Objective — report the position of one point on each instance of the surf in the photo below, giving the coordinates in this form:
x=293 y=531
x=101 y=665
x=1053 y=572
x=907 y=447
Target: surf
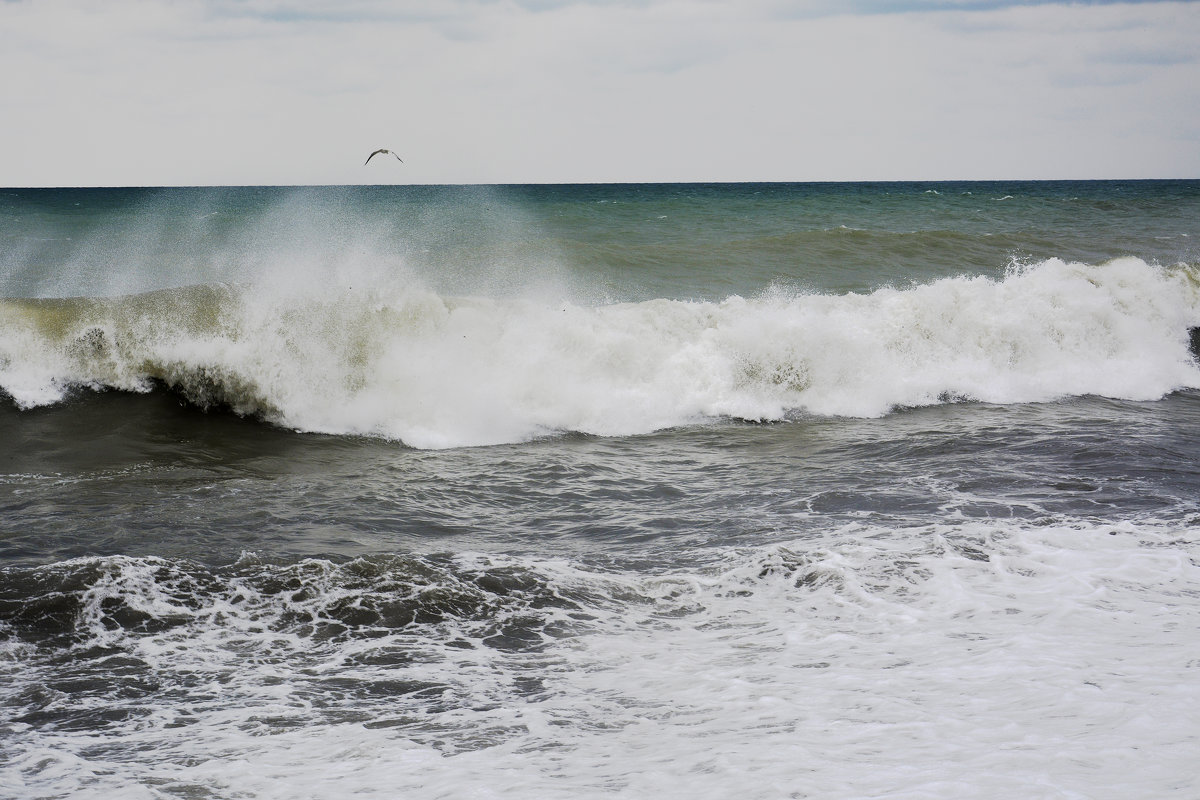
x=401 y=361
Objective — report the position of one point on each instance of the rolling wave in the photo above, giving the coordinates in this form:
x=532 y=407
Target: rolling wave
x=404 y=362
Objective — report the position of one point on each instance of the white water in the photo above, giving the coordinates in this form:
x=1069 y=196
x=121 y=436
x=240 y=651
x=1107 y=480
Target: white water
x=403 y=362
x=947 y=661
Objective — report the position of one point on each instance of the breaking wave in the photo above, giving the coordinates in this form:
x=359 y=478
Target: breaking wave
x=408 y=363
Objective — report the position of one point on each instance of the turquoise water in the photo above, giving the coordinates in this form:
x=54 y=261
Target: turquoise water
x=633 y=242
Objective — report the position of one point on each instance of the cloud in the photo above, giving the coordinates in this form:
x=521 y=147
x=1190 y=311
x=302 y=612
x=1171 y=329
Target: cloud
x=855 y=7
x=251 y=91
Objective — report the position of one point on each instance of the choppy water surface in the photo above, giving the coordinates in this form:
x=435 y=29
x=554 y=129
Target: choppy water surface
x=673 y=491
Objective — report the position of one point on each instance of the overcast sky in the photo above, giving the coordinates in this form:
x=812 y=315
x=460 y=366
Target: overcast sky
x=158 y=92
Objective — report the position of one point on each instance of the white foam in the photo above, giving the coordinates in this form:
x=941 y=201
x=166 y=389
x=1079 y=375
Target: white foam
x=394 y=359
x=944 y=661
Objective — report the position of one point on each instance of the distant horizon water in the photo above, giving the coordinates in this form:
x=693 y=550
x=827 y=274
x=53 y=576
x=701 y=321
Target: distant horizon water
x=585 y=182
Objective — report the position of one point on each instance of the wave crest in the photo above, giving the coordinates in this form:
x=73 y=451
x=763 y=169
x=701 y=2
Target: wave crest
x=407 y=363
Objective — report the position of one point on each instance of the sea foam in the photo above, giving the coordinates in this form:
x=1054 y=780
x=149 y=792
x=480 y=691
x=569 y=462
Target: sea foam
x=956 y=659
x=398 y=360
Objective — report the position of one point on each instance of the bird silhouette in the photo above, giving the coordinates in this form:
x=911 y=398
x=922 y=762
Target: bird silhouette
x=385 y=152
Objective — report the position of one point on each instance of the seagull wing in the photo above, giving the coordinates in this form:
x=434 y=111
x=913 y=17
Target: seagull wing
x=377 y=152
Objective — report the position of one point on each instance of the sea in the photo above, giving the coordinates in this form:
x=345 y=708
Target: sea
x=779 y=490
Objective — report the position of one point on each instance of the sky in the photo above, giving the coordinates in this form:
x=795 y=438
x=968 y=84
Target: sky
x=296 y=92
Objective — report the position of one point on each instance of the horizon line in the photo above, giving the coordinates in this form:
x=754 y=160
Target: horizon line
x=590 y=183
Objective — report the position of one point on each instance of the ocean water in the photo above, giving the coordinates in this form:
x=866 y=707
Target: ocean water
x=662 y=491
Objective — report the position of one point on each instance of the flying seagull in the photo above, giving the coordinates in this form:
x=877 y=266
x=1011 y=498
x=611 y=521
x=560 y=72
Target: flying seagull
x=385 y=152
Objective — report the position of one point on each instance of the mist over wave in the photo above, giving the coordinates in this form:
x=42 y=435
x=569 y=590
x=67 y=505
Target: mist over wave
x=391 y=357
